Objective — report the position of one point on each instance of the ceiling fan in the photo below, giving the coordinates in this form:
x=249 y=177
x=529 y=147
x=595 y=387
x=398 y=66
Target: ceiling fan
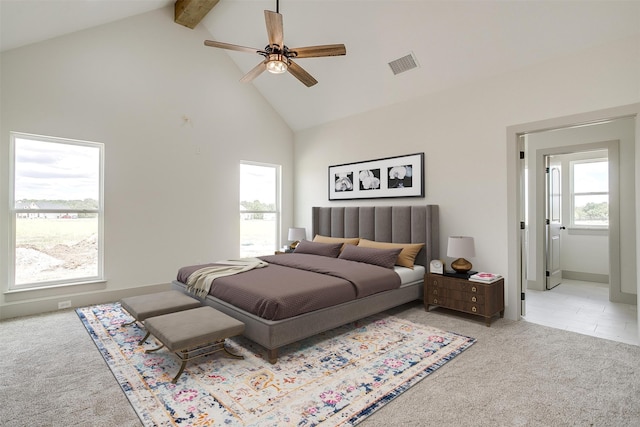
x=277 y=56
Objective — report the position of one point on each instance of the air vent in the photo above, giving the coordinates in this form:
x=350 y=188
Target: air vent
x=403 y=64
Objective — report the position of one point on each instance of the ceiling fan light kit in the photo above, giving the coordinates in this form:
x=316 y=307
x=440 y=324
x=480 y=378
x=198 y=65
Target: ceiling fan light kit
x=278 y=57
x=277 y=64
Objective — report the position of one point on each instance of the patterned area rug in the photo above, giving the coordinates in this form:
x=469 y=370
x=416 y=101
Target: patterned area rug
x=336 y=378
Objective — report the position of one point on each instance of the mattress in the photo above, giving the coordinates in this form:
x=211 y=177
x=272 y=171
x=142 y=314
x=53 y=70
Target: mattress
x=410 y=276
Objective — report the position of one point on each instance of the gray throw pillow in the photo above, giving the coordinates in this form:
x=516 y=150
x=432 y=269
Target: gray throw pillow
x=382 y=257
x=331 y=250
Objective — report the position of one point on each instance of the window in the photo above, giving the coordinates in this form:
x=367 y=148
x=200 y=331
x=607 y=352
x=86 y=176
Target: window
x=259 y=208
x=590 y=193
x=56 y=211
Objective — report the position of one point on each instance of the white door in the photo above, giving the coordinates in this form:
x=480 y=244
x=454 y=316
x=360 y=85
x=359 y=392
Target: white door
x=554 y=226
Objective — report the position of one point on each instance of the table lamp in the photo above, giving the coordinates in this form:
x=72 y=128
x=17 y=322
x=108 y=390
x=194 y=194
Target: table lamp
x=295 y=235
x=461 y=247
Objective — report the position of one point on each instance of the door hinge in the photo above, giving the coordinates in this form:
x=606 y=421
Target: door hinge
x=546 y=273
x=521 y=155
x=546 y=170
x=546 y=221
x=522 y=296
x=522 y=225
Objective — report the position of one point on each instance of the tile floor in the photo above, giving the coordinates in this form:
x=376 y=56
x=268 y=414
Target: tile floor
x=583 y=307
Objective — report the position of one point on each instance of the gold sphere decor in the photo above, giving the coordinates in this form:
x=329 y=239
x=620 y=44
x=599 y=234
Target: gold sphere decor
x=461 y=265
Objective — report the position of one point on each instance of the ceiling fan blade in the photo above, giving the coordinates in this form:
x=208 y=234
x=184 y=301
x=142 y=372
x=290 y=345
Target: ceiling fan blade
x=300 y=74
x=229 y=46
x=316 y=51
x=274 y=28
x=255 y=72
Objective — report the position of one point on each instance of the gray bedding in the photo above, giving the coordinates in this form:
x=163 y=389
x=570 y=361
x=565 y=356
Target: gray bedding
x=293 y=284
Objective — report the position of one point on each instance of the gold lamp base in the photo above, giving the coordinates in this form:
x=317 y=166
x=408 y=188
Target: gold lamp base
x=294 y=244
x=461 y=265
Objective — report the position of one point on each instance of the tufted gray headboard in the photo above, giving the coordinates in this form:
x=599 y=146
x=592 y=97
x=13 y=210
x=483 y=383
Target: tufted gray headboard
x=395 y=224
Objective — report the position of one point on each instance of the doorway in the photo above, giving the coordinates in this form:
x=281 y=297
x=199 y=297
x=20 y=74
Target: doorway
x=546 y=219
x=518 y=233
x=541 y=147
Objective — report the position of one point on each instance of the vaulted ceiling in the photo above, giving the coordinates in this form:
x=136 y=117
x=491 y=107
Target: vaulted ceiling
x=454 y=42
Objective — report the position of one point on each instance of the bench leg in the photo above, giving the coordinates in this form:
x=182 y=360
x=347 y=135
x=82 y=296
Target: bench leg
x=237 y=356
x=197 y=352
x=184 y=357
x=145 y=338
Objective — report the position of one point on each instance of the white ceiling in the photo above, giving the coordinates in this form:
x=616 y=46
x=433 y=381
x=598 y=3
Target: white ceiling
x=455 y=42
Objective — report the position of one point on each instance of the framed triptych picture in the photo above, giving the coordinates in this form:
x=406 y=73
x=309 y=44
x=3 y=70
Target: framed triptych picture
x=401 y=176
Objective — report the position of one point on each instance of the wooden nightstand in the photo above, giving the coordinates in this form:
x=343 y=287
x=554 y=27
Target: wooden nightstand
x=481 y=299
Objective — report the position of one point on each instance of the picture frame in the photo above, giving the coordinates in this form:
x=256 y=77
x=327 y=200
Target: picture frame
x=400 y=176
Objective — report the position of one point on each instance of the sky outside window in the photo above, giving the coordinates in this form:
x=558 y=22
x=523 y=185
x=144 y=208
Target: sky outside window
x=591 y=177
x=258 y=183
x=56 y=171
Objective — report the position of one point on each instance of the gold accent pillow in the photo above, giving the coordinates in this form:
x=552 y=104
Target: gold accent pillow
x=407 y=256
x=344 y=240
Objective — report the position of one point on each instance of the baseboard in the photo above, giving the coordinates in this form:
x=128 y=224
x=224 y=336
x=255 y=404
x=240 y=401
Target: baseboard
x=533 y=284
x=587 y=277
x=29 y=308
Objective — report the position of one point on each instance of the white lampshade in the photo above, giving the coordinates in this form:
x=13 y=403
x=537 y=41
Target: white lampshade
x=461 y=247
x=297 y=234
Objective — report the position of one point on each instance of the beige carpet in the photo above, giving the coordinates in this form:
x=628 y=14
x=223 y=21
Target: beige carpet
x=517 y=374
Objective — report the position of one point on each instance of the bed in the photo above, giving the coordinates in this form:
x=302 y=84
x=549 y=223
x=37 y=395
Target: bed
x=396 y=224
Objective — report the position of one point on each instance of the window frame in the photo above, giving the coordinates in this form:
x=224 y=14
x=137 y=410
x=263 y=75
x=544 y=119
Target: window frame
x=573 y=194
x=13 y=213
x=278 y=202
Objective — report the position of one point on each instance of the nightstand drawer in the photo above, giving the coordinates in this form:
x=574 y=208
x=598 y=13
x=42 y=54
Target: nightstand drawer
x=435 y=300
x=473 y=298
x=454 y=284
x=474 y=308
x=454 y=304
x=457 y=295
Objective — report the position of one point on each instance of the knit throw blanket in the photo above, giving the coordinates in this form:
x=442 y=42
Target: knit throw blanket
x=199 y=282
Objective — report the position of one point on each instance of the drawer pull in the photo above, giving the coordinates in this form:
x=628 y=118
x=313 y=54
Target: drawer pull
x=473 y=289
x=435 y=292
x=474 y=299
x=435 y=300
x=474 y=309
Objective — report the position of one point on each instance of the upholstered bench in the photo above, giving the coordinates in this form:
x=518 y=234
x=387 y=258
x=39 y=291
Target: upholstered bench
x=194 y=333
x=144 y=306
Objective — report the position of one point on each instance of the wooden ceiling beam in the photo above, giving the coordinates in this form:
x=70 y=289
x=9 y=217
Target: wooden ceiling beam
x=190 y=12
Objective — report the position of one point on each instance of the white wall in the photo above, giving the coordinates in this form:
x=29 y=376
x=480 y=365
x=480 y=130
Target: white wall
x=171 y=187
x=462 y=132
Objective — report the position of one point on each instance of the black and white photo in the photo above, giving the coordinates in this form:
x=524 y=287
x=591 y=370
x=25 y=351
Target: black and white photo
x=400 y=176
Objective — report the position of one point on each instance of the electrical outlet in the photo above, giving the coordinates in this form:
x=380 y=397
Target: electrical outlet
x=64 y=304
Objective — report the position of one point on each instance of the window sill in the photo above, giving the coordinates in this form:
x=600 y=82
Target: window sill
x=577 y=231
x=25 y=293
